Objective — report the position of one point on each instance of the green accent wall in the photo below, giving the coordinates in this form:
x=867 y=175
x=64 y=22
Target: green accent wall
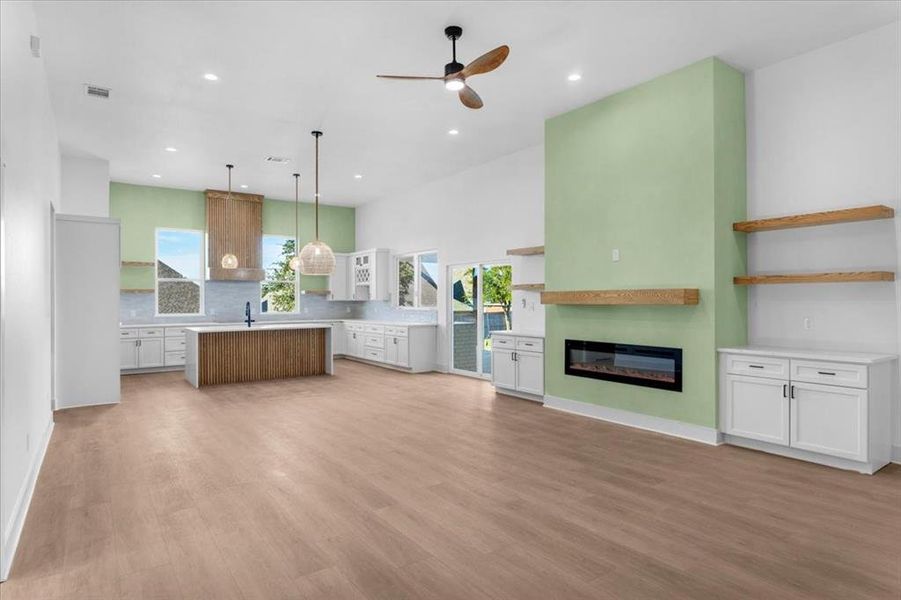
x=142 y=209
x=657 y=171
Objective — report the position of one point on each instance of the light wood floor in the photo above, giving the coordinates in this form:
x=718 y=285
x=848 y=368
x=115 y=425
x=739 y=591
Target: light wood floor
x=375 y=484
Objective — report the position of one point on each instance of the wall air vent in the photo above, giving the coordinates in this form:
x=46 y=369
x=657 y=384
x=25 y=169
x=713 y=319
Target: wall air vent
x=279 y=160
x=95 y=91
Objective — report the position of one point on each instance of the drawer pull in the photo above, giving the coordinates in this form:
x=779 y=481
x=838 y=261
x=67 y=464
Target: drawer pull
x=756 y=366
x=785 y=390
x=825 y=373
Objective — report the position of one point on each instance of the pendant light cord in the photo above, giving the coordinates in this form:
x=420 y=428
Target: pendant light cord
x=317 y=187
x=296 y=226
x=228 y=198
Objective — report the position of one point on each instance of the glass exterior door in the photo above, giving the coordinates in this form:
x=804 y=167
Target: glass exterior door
x=497 y=298
x=481 y=298
x=464 y=302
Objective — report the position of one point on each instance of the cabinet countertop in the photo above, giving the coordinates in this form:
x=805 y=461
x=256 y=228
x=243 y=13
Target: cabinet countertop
x=267 y=327
x=863 y=358
x=262 y=323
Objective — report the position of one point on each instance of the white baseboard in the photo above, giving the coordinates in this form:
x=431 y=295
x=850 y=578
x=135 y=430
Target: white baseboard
x=16 y=522
x=896 y=454
x=688 y=431
x=797 y=454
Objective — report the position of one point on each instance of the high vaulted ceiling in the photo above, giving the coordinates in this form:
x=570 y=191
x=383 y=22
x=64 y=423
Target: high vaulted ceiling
x=287 y=68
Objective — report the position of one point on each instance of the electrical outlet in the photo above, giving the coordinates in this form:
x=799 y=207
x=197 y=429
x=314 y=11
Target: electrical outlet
x=808 y=323
x=616 y=255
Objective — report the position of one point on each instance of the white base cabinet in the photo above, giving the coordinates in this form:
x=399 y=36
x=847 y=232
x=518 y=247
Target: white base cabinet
x=517 y=364
x=409 y=347
x=826 y=407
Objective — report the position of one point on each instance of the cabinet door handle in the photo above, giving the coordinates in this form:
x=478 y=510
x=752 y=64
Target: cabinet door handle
x=395 y=341
x=785 y=390
x=755 y=366
x=792 y=392
x=825 y=373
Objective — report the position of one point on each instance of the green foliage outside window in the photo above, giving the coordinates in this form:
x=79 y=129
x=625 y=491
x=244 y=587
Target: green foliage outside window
x=279 y=288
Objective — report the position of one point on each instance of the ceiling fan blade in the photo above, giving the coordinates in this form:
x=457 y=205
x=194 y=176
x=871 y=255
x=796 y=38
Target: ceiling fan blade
x=407 y=77
x=487 y=62
x=469 y=98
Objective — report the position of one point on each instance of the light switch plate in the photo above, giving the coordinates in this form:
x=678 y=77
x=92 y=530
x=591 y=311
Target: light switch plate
x=616 y=255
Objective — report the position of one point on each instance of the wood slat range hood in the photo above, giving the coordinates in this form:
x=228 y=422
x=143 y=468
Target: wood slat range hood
x=244 y=236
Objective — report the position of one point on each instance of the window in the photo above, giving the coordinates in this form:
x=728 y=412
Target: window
x=417 y=280
x=179 y=272
x=278 y=292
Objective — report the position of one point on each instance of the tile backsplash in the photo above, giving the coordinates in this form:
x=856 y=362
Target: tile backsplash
x=224 y=303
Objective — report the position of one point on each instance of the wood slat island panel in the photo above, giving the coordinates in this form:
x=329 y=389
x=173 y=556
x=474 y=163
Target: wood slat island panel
x=259 y=354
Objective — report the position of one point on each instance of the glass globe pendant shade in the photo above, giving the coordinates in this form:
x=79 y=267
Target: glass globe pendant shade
x=294 y=263
x=229 y=261
x=317 y=258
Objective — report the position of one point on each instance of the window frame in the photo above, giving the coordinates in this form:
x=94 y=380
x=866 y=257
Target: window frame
x=417 y=279
x=296 y=282
x=156 y=278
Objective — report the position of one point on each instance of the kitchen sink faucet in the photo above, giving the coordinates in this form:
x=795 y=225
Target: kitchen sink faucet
x=247 y=318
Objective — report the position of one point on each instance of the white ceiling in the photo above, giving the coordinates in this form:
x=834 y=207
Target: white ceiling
x=287 y=68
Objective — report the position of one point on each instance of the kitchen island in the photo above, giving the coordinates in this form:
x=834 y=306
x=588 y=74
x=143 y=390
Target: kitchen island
x=237 y=354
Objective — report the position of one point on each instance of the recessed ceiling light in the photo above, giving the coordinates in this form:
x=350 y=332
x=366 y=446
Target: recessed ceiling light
x=156 y=175
x=358 y=176
x=171 y=149
x=211 y=77
x=574 y=77
x=243 y=186
x=452 y=132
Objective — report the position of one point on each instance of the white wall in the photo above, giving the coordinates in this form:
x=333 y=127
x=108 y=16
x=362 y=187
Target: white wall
x=85 y=186
x=473 y=216
x=824 y=132
x=30 y=155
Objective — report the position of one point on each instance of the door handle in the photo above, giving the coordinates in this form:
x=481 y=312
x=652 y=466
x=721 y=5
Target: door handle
x=785 y=390
x=792 y=392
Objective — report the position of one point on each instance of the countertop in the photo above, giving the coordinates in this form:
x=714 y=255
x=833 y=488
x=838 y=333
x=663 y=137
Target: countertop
x=266 y=327
x=863 y=358
x=518 y=333
x=258 y=324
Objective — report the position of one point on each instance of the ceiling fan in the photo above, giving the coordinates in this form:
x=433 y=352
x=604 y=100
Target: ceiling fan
x=455 y=74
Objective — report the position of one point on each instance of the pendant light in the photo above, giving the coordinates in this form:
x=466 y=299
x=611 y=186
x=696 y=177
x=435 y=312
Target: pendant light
x=229 y=260
x=295 y=260
x=317 y=258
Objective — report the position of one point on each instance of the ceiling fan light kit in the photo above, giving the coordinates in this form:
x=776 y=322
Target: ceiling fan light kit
x=455 y=74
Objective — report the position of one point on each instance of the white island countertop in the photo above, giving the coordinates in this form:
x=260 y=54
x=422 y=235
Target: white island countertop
x=863 y=358
x=264 y=327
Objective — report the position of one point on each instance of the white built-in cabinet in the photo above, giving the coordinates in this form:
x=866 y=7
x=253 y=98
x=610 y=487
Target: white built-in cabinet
x=151 y=347
x=362 y=275
x=517 y=364
x=409 y=347
x=831 y=408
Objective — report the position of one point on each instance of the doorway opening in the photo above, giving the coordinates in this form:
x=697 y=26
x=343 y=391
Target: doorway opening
x=480 y=302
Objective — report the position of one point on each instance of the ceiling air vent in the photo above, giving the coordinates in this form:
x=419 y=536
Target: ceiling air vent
x=279 y=160
x=95 y=91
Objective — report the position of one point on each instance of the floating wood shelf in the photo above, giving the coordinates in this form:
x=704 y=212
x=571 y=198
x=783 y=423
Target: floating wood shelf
x=528 y=287
x=137 y=290
x=530 y=251
x=672 y=296
x=829 y=217
x=315 y=292
x=815 y=278
x=138 y=263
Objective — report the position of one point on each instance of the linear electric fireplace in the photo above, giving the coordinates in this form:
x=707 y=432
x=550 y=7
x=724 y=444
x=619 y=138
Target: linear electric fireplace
x=649 y=366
